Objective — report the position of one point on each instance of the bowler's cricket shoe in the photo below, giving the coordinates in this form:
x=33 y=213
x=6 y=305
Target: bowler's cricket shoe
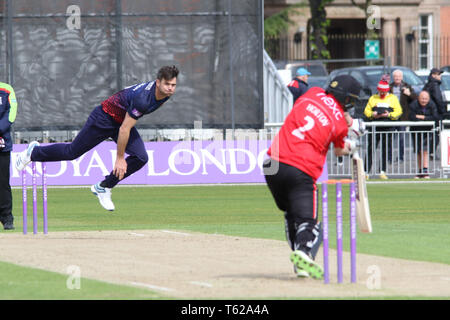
x=104 y=196
x=304 y=262
x=24 y=158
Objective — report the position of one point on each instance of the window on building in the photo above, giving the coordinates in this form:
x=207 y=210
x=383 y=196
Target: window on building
x=425 y=41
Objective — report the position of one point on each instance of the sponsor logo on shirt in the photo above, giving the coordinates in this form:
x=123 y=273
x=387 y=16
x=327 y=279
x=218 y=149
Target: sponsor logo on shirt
x=136 y=113
x=331 y=104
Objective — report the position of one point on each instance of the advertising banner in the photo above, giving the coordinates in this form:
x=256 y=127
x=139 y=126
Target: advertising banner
x=170 y=163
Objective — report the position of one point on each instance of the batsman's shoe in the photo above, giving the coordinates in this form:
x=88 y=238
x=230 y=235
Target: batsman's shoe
x=104 y=196
x=304 y=262
x=8 y=225
x=300 y=273
x=24 y=158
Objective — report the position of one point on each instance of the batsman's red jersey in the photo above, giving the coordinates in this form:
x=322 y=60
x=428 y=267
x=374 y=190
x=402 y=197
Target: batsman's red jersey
x=315 y=121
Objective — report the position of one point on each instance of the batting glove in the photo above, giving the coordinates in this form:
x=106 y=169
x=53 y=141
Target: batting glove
x=352 y=144
x=357 y=129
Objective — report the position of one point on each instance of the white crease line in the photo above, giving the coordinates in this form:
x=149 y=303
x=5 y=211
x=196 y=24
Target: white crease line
x=174 y=232
x=151 y=286
x=137 y=234
x=203 y=284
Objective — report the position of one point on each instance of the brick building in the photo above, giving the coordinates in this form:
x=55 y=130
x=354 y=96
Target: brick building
x=414 y=33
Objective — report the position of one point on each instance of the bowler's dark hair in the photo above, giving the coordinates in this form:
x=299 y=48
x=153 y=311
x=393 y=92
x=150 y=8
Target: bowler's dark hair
x=167 y=73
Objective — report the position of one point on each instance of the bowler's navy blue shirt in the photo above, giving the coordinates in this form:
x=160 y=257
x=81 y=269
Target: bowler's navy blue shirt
x=136 y=100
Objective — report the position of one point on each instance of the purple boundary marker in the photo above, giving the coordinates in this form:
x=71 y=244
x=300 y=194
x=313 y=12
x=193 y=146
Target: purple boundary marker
x=24 y=203
x=34 y=180
x=44 y=196
x=340 y=274
x=326 y=273
x=353 y=232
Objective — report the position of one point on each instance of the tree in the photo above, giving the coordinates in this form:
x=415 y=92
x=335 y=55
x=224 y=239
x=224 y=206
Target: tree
x=319 y=24
x=278 y=23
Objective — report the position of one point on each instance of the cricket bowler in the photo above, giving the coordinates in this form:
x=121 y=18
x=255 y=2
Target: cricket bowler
x=114 y=118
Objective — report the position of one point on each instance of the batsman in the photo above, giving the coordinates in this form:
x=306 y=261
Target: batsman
x=296 y=159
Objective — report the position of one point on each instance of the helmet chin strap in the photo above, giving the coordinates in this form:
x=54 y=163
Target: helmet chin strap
x=348 y=106
x=349 y=103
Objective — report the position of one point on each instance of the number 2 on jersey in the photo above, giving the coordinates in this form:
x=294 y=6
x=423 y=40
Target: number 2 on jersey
x=308 y=126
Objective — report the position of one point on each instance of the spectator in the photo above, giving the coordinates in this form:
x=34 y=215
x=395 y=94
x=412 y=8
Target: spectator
x=433 y=87
x=382 y=106
x=423 y=109
x=406 y=95
x=299 y=85
x=8 y=111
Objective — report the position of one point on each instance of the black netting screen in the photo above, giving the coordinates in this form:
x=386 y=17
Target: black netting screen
x=61 y=71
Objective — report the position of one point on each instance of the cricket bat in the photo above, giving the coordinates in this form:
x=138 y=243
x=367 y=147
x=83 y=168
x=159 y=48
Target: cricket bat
x=362 y=199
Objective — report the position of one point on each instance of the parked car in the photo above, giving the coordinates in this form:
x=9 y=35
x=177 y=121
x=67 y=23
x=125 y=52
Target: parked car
x=445 y=84
x=423 y=74
x=316 y=68
x=445 y=87
x=369 y=76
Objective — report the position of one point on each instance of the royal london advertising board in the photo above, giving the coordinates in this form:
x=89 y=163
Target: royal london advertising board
x=170 y=163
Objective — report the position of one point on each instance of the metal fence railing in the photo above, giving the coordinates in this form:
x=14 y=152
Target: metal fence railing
x=278 y=99
x=397 y=147
x=404 y=49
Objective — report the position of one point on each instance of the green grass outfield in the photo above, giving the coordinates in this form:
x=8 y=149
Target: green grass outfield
x=410 y=221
